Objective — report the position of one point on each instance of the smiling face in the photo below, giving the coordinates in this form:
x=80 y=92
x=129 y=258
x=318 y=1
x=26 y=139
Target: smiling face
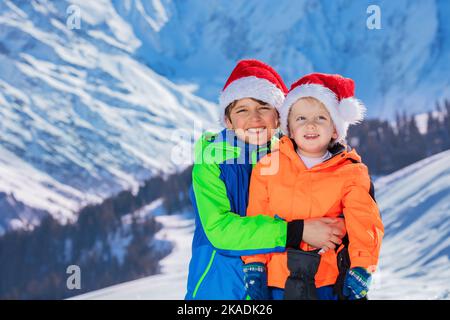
x=253 y=121
x=311 y=127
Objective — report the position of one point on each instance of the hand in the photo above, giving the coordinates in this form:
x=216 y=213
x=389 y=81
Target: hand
x=339 y=230
x=324 y=232
x=356 y=283
x=255 y=278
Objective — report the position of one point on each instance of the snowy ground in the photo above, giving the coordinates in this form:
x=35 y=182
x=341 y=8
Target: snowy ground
x=415 y=207
x=414 y=262
x=171 y=284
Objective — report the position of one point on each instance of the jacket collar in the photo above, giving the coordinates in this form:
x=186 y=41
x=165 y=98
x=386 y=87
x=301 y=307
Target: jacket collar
x=237 y=151
x=340 y=153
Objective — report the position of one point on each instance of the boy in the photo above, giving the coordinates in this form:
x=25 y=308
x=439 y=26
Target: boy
x=317 y=177
x=220 y=180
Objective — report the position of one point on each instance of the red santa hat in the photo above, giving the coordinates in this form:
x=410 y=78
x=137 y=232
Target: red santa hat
x=253 y=79
x=335 y=92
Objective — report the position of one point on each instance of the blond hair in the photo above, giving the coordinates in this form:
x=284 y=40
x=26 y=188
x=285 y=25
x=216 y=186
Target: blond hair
x=312 y=100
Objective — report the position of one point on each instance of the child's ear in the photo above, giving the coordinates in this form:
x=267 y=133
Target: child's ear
x=228 y=123
x=334 y=136
x=277 y=122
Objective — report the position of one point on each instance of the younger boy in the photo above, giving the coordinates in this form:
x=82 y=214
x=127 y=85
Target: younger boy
x=319 y=177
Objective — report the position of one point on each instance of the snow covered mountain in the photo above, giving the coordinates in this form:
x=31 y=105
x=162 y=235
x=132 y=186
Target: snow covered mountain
x=402 y=66
x=415 y=254
x=82 y=119
x=90 y=111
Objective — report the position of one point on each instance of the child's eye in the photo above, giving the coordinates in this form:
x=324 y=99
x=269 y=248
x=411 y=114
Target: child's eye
x=241 y=111
x=322 y=118
x=301 y=118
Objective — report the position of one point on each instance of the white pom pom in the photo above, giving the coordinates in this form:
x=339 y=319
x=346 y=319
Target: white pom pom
x=352 y=110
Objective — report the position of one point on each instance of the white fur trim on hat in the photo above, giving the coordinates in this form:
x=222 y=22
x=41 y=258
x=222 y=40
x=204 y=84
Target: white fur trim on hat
x=251 y=87
x=321 y=93
x=352 y=110
x=339 y=112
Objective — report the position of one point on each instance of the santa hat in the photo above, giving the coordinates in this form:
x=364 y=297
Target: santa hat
x=335 y=92
x=253 y=79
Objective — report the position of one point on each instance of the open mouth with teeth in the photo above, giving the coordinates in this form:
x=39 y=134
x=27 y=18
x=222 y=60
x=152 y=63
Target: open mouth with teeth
x=256 y=131
x=311 y=136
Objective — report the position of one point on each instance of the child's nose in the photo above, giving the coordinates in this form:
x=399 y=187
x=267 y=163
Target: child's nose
x=310 y=124
x=255 y=115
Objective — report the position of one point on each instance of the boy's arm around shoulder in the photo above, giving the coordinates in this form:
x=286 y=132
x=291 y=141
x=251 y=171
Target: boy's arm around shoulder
x=226 y=230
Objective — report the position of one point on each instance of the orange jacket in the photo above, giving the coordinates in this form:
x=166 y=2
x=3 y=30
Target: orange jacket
x=281 y=185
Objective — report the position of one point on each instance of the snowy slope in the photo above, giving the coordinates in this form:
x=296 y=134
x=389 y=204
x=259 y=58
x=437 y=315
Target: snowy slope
x=415 y=255
x=82 y=119
x=171 y=284
x=30 y=193
x=402 y=66
x=415 y=259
